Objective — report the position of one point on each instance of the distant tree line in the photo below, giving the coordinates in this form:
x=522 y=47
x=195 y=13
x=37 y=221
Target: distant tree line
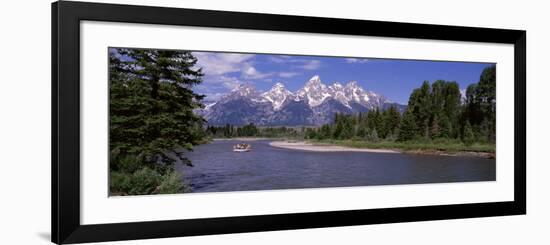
x=434 y=111
x=251 y=130
x=372 y=126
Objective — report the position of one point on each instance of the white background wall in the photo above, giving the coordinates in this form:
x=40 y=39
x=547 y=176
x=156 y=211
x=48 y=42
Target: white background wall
x=25 y=121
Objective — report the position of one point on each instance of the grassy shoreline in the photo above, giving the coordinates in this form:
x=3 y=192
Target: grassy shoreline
x=435 y=147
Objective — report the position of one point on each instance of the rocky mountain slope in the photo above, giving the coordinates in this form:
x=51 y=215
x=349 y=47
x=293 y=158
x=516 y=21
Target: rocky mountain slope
x=314 y=104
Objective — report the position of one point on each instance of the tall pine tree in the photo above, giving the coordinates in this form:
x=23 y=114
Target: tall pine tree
x=408 y=128
x=152 y=105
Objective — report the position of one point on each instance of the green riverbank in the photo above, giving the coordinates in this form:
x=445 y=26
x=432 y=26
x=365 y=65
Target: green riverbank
x=436 y=147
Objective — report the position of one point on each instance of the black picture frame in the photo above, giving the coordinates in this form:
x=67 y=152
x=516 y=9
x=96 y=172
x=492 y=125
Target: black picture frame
x=66 y=17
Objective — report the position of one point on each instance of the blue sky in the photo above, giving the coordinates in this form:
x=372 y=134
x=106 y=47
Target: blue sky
x=395 y=79
x=392 y=78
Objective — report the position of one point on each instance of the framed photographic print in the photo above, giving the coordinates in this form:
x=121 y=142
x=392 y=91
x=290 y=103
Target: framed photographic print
x=177 y=122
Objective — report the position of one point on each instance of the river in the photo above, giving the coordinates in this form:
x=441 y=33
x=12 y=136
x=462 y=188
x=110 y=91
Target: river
x=217 y=168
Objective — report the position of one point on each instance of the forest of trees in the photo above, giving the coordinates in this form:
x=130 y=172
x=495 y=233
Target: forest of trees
x=151 y=116
x=434 y=111
x=251 y=130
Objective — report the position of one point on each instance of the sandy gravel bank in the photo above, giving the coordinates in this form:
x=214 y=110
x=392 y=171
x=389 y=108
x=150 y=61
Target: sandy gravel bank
x=304 y=146
x=245 y=139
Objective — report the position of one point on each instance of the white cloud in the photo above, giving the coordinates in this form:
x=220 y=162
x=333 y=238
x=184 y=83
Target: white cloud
x=306 y=64
x=283 y=59
x=311 y=65
x=226 y=71
x=277 y=59
x=221 y=63
x=212 y=84
x=213 y=96
x=288 y=74
x=355 y=60
x=216 y=66
x=230 y=82
x=252 y=73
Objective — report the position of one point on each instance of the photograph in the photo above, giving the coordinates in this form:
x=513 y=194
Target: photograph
x=194 y=121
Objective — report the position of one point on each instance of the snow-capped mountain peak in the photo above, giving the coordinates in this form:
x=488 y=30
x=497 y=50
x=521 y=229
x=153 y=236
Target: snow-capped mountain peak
x=277 y=95
x=278 y=85
x=244 y=90
x=315 y=79
x=314 y=92
x=336 y=85
x=338 y=93
x=313 y=104
x=356 y=93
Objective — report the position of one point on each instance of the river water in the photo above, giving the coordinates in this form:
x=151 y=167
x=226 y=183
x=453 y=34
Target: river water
x=217 y=168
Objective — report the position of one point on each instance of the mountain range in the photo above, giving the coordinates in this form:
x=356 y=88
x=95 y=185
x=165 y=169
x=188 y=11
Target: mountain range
x=312 y=105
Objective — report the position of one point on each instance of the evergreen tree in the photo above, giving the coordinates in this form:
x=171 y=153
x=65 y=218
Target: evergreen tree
x=480 y=108
x=310 y=133
x=391 y=136
x=446 y=128
x=338 y=128
x=393 y=120
x=408 y=128
x=426 y=128
x=438 y=95
x=468 y=136
x=151 y=105
x=347 y=128
x=374 y=135
x=434 y=130
x=420 y=106
x=324 y=132
x=452 y=106
x=248 y=130
x=361 y=132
